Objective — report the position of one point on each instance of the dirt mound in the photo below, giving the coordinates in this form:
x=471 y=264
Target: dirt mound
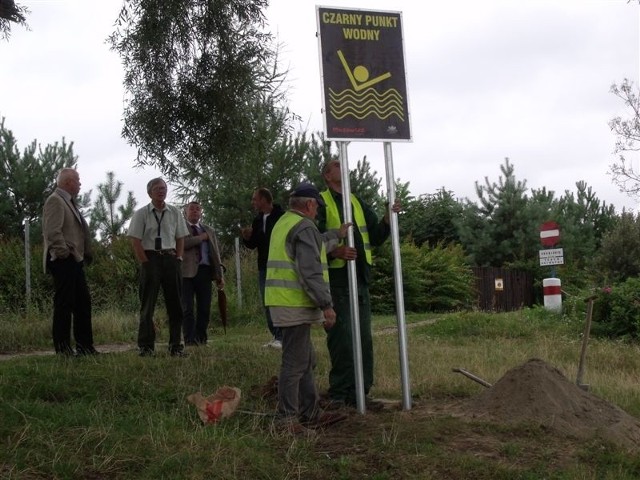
x=537 y=393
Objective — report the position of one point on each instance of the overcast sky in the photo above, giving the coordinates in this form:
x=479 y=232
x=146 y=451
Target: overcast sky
x=487 y=79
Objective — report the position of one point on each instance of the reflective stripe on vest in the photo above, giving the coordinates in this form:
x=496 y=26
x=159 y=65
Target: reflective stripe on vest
x=283 y=288
x=333 y=222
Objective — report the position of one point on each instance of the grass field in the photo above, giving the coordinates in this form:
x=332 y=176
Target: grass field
x=119 y=416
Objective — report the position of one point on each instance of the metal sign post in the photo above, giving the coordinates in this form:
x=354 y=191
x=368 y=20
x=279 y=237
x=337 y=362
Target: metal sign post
x=353 y=280
x=365 y=98
x=397 y=277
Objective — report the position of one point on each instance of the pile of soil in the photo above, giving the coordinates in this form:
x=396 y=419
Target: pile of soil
x=538 y=393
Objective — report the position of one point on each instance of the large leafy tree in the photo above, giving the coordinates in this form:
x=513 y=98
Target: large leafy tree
x=203 y=91
x=627 y=131
x=205 y=102
x=107 y=218
x=27 y=179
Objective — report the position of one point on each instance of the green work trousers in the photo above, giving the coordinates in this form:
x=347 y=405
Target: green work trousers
x=342 y=381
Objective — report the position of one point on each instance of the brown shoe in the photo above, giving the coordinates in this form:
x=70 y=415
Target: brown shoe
x=325 y=419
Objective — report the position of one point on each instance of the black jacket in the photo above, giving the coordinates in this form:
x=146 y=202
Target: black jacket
x=260 y=239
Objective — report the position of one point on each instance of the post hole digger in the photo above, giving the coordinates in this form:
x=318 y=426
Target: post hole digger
x=583 y=352
x=585 y=341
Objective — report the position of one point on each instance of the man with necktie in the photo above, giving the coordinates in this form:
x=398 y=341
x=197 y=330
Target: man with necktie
x=67 y=248
x=200 y=266
x=157 y=232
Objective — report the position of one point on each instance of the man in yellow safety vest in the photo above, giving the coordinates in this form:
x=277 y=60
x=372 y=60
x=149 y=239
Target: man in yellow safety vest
x=368 y=231
x=297 y=295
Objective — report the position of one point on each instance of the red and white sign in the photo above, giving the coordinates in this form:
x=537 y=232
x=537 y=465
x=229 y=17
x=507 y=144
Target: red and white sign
x=549 y=234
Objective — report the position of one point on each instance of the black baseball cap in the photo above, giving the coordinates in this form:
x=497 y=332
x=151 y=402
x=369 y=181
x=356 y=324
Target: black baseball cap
x=307 y=190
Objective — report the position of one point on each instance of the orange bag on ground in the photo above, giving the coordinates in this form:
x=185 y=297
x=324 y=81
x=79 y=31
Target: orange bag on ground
x=222 y=404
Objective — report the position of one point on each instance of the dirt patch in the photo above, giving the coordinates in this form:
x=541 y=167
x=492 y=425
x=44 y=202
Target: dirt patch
x=538 y=393
x=109 y=348
x=531 y=420
x=394 y=329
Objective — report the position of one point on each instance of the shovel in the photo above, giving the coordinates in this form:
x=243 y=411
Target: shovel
x=473 y=377
x=585 y=341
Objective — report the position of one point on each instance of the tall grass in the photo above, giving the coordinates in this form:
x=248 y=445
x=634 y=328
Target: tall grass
x=117 y=322
x=119 y=416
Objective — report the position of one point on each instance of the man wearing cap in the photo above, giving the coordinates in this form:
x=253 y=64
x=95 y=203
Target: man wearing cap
x=297 y=295
x=157 y=233
x=368 y=231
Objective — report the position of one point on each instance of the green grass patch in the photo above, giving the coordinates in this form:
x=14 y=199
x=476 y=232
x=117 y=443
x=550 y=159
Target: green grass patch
x=119 y=416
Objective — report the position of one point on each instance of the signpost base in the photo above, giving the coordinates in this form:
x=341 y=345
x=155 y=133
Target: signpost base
x=551 y=288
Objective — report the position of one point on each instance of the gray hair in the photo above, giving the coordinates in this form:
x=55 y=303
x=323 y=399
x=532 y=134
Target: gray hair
x=153 y=182
x=64 y=175
x=328 y=163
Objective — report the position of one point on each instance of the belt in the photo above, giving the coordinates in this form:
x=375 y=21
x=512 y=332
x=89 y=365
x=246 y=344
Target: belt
x=167 y=251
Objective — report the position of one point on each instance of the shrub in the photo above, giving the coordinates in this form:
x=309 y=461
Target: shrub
x=616 y=310
x=619 y=257
x=434 y=279
x=13 y=277
x=113 y=276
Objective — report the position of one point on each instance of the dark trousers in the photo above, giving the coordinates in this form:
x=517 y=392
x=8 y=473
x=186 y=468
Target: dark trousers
x=160 y=271
x=275 y=331
x=71 y=304
x=194 y=327
x=297 y=392
x=342 y=380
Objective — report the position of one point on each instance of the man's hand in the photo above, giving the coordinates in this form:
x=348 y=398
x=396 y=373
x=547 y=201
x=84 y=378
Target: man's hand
x=345 y=253
x=329 y=317
x=344 y=229
x=246 y=232
x=395 y=208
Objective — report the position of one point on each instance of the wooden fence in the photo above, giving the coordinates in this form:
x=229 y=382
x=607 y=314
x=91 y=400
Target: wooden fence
x=503 y=290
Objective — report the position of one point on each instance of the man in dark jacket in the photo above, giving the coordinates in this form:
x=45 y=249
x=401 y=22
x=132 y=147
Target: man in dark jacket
x=258 y=236
x=200 y=267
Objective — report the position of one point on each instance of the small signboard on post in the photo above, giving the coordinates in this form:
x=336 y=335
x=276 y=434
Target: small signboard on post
x=551 y=256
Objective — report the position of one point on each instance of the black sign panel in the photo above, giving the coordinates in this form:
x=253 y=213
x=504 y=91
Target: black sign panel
x=363 y=75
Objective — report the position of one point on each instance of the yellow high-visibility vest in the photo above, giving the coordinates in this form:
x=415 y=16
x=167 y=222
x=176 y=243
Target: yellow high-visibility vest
x=282 y=287
x=333 y=222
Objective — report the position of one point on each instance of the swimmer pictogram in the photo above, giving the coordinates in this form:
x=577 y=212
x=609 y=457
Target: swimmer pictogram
x=363 y=74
